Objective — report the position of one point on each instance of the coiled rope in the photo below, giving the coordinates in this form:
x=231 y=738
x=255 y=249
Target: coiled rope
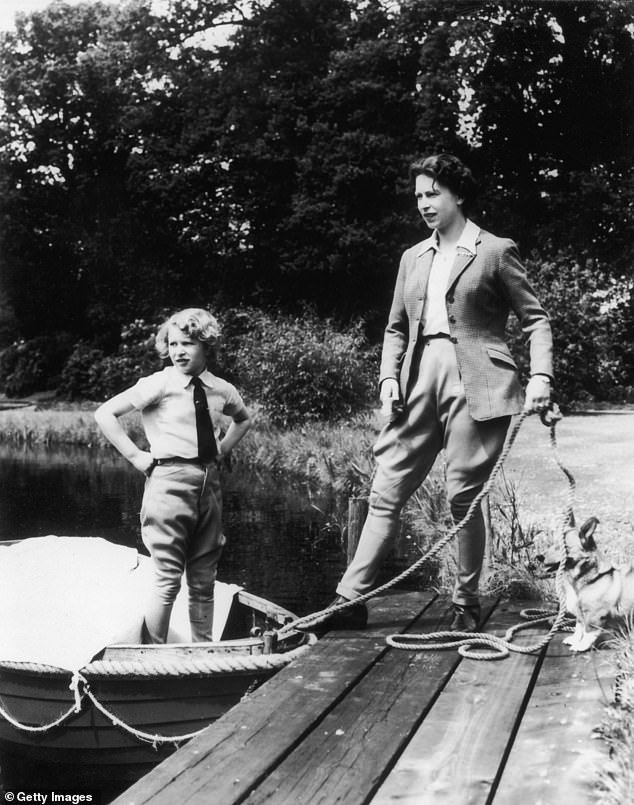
x=465 y=641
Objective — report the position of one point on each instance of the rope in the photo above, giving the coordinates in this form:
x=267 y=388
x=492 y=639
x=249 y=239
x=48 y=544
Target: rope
x=192 y=666
x=465 y=642
x=80 y=685
x=41 y=728
x=152 y=666
x=315 y=617
x=153 y=738
x=499 y=648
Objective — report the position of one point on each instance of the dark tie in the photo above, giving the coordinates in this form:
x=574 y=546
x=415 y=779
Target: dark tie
x=207 y=448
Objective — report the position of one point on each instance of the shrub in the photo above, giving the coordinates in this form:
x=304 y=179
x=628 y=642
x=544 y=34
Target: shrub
x=33 y=365
x=298 y=368
x=588 y=311
x=77 y=378
x=88 y=373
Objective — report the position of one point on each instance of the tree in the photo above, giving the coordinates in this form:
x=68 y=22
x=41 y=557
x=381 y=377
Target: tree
x=553 y=102
x=101 y=158
x=145 y=164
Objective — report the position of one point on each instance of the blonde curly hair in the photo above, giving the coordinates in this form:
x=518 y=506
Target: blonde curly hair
x=195 y=322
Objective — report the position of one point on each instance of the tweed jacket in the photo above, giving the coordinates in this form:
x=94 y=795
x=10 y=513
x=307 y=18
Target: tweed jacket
x=482 y=290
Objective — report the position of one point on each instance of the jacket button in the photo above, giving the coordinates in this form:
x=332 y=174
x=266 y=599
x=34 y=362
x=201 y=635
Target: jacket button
x=452 y=319
x=453 y=339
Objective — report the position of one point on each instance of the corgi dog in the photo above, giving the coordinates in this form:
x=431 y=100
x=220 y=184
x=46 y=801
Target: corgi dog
x=598 y=593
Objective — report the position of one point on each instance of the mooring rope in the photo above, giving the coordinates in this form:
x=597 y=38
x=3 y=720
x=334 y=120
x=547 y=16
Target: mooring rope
x=81 y=689
x=315 y=617
x=464 y=641
x=41 y=728
x=153 y=738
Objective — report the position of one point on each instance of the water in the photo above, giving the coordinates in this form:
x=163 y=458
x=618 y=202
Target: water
x=280 y=540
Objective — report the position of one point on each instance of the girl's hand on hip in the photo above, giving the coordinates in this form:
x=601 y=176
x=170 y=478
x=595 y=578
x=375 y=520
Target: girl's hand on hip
x=143 y=461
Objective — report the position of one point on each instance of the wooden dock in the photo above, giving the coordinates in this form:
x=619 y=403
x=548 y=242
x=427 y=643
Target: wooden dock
x=354 y=721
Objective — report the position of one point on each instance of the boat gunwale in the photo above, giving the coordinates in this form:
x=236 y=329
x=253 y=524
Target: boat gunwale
x=173 y=659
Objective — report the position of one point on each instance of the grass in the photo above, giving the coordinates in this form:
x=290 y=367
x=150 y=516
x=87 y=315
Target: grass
x=58 y=426
x=615 y=784
x=320 y=455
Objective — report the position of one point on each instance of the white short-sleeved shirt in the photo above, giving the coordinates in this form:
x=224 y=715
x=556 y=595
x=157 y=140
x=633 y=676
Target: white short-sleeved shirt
x=166 y=402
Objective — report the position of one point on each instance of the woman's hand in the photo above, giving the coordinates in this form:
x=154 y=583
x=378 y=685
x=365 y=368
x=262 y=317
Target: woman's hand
x=390 y=397
x=537 y=393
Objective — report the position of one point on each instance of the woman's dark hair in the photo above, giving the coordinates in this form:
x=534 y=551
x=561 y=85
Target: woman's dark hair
x=450 y=172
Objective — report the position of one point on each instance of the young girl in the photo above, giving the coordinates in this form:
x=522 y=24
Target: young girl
x=182 y=504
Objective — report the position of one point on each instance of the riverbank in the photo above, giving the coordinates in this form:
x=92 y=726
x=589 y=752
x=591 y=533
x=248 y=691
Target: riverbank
x=596 y=445
x=338 y=454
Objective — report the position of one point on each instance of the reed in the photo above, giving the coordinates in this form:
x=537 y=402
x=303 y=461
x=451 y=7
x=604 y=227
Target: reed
x=333 y=455
x=319 y=454
x=54 y=427
x=615 y=781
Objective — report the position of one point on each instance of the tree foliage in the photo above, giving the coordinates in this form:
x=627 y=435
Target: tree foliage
x=256 y=152
x=588 y=311
x=298 y=368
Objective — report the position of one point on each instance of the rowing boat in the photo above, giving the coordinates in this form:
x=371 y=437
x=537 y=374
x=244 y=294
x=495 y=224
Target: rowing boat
x=133 y=704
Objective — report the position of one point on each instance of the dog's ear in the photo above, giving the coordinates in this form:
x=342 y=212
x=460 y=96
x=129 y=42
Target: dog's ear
x=585 y=534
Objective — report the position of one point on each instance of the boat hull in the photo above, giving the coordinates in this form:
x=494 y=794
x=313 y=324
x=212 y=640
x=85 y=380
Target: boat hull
x=164 y=706
x=163 y=691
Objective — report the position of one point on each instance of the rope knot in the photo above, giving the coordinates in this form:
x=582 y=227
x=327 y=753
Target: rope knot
x=76 y=684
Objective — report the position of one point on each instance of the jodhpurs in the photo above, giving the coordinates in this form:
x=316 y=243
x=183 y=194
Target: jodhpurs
x=182 y=529
x=435 y=418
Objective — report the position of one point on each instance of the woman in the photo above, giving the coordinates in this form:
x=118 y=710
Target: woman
x=449 y=378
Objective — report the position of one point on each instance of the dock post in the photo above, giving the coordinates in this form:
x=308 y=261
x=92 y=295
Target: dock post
x=269 y=642
x=489 y=535
x=357 y=512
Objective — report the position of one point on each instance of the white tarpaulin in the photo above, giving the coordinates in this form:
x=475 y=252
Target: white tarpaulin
x=63 y=599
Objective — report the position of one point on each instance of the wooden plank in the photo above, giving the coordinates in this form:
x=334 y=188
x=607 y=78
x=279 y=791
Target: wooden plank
x=222 y=764
x=554 y=758
x=343 y=760
x=456 y=754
